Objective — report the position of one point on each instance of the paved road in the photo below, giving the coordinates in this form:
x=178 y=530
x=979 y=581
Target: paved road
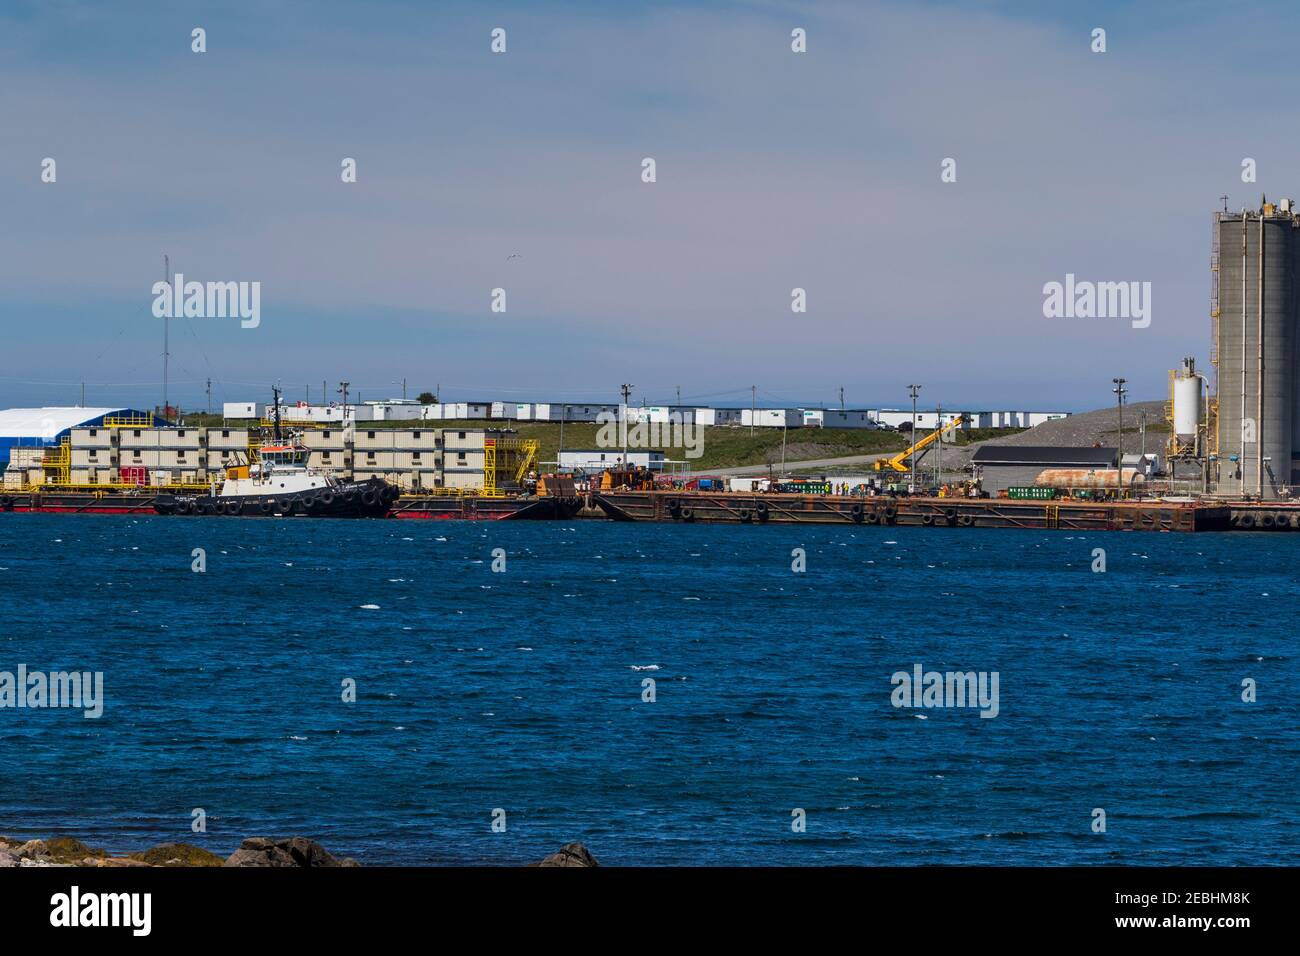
x=812 y=464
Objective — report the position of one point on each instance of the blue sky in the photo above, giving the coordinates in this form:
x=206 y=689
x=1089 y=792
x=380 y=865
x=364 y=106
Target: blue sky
x=522 y=171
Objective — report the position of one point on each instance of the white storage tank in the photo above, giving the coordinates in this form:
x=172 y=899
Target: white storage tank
x=1187 y=400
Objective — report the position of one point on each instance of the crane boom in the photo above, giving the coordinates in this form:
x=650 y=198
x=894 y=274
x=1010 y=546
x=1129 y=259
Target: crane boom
x=899 y=461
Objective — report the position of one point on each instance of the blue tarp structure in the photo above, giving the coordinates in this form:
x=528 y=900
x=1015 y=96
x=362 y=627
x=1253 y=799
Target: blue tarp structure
x=47 y=426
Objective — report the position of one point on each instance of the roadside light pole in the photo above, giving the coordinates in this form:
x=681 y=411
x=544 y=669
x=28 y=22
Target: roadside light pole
x=913 y=390
x=1120 y=391
x=627 y=392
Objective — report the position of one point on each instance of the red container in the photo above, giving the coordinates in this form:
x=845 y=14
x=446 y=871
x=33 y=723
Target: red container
x=133 y=475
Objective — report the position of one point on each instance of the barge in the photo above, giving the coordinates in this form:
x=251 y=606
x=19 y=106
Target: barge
x=446 y=507
x=725 y=507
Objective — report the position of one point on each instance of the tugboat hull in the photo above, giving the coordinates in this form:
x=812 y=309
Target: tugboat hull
x=355 y=499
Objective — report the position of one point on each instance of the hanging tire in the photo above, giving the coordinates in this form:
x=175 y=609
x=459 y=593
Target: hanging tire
x=761 y=510
x=234 y=508
x=857 y=512
x=1266 y=520
x=325 y=498
x=872 y=517
x=266 y=506
x=284 y=506
x=688 y=514
x=1247 y=521
x=927 y=520
x=966 y=521
x=746 y=516
x=950 y=515
x=369 y=498
x=184 y=507
x=350 y=496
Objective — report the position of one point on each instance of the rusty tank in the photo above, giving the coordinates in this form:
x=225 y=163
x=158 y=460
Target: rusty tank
x=1098 y=478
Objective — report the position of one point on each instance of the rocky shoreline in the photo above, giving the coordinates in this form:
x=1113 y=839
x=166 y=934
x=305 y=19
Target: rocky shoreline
x=255 y=851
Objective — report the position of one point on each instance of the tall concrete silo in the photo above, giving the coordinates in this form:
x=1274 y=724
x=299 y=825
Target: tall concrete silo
x=1255 y=341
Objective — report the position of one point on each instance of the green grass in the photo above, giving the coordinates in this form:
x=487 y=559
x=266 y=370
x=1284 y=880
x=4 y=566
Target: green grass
x=723 y=447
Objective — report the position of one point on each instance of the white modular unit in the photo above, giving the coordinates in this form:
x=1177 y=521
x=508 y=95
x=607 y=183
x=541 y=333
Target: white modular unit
x=243 y=409
x=1037 y=418
x=594 y=460
x=771 y=417
x=844 y=418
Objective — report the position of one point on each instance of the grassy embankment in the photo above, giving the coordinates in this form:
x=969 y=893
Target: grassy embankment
x=723 y=447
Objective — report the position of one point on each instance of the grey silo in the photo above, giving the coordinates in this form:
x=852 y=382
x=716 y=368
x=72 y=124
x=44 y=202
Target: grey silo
x=1241 y=362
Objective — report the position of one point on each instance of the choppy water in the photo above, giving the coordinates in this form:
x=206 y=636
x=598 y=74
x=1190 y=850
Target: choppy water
x=523 y=691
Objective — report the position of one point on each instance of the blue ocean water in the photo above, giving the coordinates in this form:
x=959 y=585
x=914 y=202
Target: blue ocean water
x=522 y=690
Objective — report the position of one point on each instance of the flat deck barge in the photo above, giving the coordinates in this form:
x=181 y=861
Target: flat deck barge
x=1071 y=515
x=449 y=507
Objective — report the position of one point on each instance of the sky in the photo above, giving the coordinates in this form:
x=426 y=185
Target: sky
x=522 y=170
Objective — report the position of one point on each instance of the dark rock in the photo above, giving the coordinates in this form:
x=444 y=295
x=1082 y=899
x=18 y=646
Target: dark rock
x=177 y=854
x=293 y=851
x=70 y=850
x=32 y=850
x=571 y=854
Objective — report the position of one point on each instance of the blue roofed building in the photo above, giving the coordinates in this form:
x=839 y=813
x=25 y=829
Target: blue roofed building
x=38 y=427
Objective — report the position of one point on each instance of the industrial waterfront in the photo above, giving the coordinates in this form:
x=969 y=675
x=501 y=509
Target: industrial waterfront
x=1225 y=452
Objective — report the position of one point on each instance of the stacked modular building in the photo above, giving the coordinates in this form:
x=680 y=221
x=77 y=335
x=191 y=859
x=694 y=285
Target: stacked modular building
x=130 y=448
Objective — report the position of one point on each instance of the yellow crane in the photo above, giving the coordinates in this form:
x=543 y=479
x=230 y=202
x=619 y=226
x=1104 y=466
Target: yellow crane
x=900 y=461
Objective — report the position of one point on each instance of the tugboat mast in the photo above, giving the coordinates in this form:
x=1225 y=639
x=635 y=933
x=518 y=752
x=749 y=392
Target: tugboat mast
x=275 y=390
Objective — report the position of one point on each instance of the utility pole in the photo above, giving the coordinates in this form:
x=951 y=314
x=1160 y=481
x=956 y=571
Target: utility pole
x=627 y=392
x=209 y=388
x=841 y=398
x=167 y=274
x=913 y=390
x=83 y=394
x=753 y=406
x=679 y=395
x=938 y=448
x=1120 y=391
x=403 y=389
x=784 y=431
x=343 y=390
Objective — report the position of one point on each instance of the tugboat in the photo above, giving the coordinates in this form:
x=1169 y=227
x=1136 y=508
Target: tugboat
x=280 y=484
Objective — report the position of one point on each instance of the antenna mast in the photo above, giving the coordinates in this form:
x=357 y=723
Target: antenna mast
x=275 y=391
x=167 y=274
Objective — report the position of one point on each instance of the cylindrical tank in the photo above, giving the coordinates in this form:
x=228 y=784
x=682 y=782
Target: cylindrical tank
x=1187 y=406
x=1257 y=412
x=1088 y=478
